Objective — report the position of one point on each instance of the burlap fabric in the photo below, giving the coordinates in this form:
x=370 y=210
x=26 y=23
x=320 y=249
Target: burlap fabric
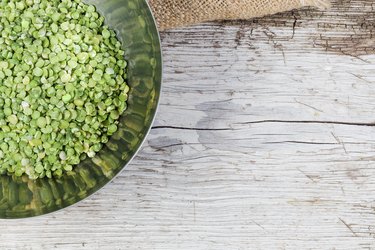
x=176 y=13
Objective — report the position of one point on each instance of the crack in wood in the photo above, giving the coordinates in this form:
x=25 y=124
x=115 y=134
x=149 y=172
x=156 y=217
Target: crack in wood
x=365 y=124
x=294 y=24
x=302 y=142
x=187 y=128
x=349 y=227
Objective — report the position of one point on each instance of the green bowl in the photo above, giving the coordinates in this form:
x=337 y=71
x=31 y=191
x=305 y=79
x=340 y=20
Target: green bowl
x=135 y=26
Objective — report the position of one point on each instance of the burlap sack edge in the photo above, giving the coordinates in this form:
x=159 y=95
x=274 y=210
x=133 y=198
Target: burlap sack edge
x=178 y=13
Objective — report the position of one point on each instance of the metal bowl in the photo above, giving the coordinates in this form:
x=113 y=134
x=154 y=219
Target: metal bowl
x=132 y=19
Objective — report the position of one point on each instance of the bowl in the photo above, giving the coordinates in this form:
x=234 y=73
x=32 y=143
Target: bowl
x=135 y=27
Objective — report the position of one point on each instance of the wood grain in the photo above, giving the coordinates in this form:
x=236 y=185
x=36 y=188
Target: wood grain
x=265 y=139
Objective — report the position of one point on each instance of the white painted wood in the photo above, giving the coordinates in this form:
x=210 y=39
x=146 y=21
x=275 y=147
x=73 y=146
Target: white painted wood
x=265 y=139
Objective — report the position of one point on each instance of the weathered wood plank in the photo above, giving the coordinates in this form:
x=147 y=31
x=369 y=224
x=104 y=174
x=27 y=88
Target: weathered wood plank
x=265 y=139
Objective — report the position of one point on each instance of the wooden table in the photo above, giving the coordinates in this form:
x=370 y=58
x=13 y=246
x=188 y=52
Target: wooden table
x=265 y=139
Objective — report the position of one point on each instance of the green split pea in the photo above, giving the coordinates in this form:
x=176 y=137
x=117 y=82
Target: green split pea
x=62 y=85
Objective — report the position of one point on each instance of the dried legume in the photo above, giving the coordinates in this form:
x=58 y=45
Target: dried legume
x=62 y=85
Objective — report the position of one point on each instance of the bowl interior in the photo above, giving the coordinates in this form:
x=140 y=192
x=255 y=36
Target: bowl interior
x=135 y=27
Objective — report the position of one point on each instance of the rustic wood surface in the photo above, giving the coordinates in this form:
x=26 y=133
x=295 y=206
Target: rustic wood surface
x=265 y=139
